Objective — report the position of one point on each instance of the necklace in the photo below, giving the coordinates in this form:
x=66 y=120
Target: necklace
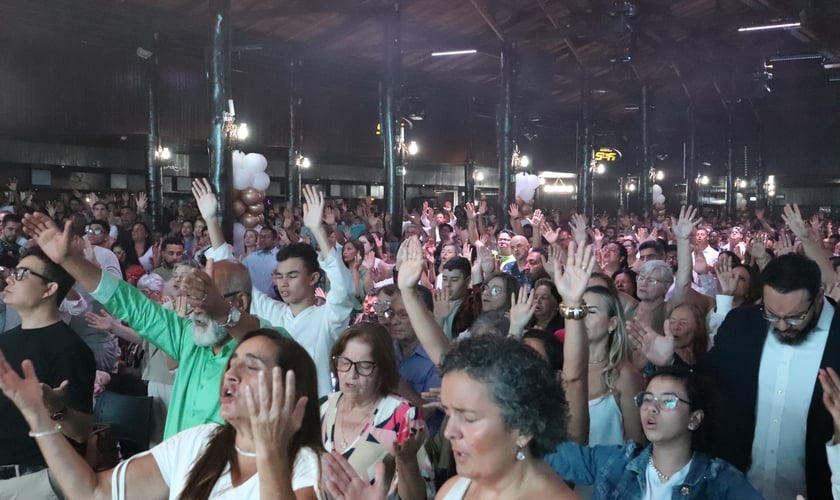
x=244 y=453
x=352 y=435
x=662 y=477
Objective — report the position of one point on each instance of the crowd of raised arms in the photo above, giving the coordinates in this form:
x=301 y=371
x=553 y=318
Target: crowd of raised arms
x=321 y=356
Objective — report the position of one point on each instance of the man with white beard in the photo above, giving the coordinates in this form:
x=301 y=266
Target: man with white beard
x=200 y=345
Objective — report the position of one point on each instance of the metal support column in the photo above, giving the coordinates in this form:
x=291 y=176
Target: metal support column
x=469 y=163
x=153 y=168
x=293 y=170
x=221 y=166
x=584 y=194
x=504 y=132
x=729 y=190
x=644 y=177
x=691 y=177
x=394 y=174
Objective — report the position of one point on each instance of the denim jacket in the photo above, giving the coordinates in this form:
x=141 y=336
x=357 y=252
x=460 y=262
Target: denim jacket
x=618 y=472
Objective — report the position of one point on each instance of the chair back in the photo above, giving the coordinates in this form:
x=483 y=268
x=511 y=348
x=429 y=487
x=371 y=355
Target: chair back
x=130 y=420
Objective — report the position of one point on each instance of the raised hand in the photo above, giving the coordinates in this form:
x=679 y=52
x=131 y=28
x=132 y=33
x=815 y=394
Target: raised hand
x=597 y=237
x=537 y=218
x=205 y=198
x=50 y=206
x=578 y=224
x=469 y=208
x=522 y=309
x=412 y=264
x=513 y=211
x=55 y=398
x=201 y=292
x=784 y=245
x=482 y=206
x=658 y=349
x=344 y=483
x=276 y=415
x=486 y=260
x=140 y=199
x=793 y=218
x=550 y=234
x=726 y=278
x=57 y=244
x=12 y=184
x=443 y=306
x=377 y=240
x=431 y=398
x=313 y=209
x=830 y=383
x=573 y=281
x=466 y=251
x=369 y=261
x=103 y=321
x=685 y=224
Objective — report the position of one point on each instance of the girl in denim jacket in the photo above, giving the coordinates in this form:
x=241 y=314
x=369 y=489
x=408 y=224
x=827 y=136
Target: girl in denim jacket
x=677 y=413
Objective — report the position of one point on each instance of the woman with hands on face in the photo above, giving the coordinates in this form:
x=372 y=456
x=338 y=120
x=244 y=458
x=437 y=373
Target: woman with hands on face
x=268 y=448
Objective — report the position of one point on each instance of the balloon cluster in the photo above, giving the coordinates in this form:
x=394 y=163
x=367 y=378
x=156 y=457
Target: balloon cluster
x=249 y=183
x=658 y=202
x=740 y=201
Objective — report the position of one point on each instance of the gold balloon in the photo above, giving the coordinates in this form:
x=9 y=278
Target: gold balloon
x=257 y=209
x=250 y=196
x=249 y=221
x=239 y=208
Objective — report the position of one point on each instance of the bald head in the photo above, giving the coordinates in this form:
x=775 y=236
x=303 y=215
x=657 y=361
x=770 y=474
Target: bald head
x=231 y=276
x=519 y=247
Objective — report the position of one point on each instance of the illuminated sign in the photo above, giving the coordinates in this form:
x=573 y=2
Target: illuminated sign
x=606 y=154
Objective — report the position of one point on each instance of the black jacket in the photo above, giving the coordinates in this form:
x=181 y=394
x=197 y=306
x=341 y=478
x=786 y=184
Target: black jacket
x=733 y=364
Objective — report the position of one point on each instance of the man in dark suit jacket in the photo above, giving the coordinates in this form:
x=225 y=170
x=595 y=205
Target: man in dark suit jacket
x=797 y=315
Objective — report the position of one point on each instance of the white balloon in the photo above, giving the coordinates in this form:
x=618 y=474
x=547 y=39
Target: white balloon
x=237 y=157
x=660 y=199
x=741 y=203
x=657 y=190
x=261 y=181
x=526 y=185
x=254 y=162
x=738 y=196
x=242 y=179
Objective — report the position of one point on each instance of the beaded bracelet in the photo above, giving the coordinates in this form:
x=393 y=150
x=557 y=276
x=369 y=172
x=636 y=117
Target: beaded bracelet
x=54 y=430
x=577 y=312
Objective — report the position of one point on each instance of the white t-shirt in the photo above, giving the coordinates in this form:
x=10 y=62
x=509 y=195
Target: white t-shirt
x=176 y=455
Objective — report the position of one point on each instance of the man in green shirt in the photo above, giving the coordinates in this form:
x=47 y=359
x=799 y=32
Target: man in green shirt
x=200 y=345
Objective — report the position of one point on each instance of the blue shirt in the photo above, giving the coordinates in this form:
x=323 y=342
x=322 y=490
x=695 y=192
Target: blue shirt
x=421 y=374
x=512 y=268
x=620 y=472
x=261 y=265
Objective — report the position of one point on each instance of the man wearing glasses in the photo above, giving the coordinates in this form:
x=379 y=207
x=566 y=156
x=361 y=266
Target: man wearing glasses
x=765 y=362
x=35 y=288
x=418 y=373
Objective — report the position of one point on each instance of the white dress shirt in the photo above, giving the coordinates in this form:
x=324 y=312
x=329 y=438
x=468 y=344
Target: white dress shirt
x=316 y=327
x=786 y=380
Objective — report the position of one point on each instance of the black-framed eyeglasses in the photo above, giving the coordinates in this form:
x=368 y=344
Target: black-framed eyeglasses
x=493 y=291
x=95 y=230
x=794 y=320
x=363 y=368
x=20 y=273
x=230 y=294
x=669 y=400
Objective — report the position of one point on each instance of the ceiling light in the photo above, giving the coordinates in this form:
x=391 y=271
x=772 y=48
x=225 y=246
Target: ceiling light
x=795 y=57
x=454 y=52
x=775 y=26
x=831 y=65
x=413 y=148
x=242 y=131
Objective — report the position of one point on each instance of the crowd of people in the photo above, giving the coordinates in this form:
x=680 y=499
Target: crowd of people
x=474 y=355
